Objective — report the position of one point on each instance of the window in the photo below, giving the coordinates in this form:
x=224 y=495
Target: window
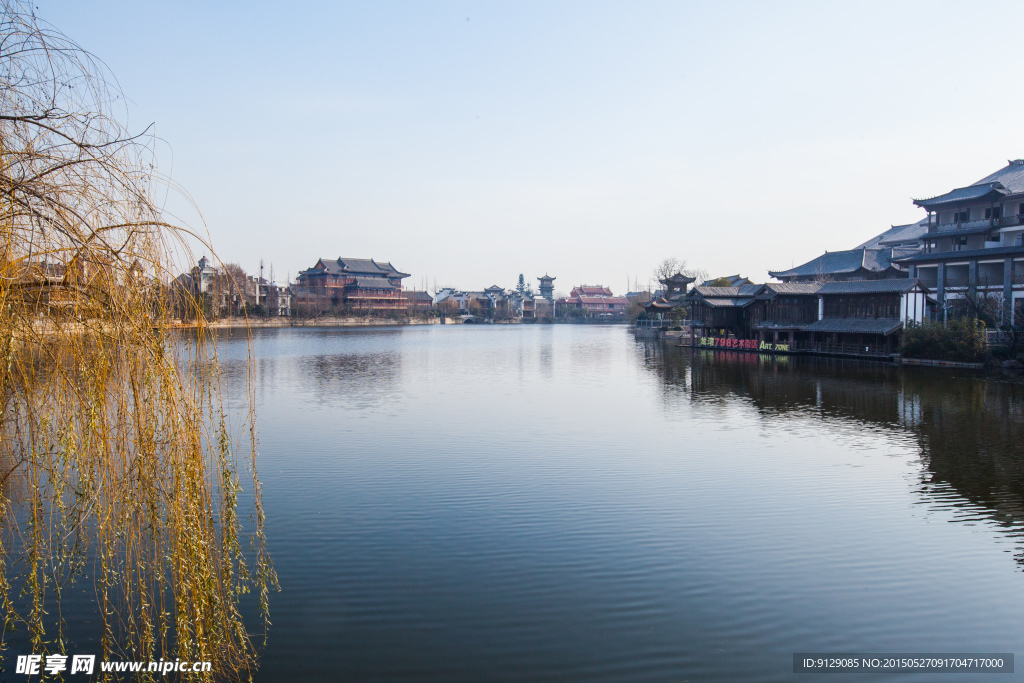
x=994 y=212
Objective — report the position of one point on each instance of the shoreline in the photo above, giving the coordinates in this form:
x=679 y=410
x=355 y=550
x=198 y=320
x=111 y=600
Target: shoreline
x=252 y=323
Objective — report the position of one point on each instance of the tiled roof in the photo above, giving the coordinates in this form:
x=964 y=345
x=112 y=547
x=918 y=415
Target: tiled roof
x=373 y=283
x=733 y=280
x=715 y=291
x=660 y=302
x=855 y=325
x=330 y=265
x=719 y=302
x=1011 y=176
x=359 y=266
x=840 y=262
x=593 y=291
x=419 y=296
x=740 y=291
x=965 y=255
x=898 y=286
x=971 y=193
x=897 y=234
x=390 y=269
x=1006 y=181
x=903 y=252
x=793 y=287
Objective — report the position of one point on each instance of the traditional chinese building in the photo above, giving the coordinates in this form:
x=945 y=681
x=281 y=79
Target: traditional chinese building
x=547 y=287
x=419 y=301
x=670 y=298
x=850 y=318
x=862 y=263
x=781 y=310
x=721 y=311
x=973 y=245
x=866 y=317
x=727 y=281
x=597 y=302
x=355 y=284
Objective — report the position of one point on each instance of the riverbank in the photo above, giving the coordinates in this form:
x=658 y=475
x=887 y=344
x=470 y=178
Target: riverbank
x=238 y=322
x=241 y=323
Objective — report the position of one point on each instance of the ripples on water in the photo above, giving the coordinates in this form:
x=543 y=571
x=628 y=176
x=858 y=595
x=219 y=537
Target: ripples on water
x=564 y=503
x=561 y=502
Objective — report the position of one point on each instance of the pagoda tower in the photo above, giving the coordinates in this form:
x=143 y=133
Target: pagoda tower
x=547 y=287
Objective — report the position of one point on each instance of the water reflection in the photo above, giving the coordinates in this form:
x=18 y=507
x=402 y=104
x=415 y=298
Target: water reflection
x=969 y=429
x=361 y=380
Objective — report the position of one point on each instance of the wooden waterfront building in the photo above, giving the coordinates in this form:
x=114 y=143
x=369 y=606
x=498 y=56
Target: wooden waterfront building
x=721 y=311
x=865 y=317
x=781 y=311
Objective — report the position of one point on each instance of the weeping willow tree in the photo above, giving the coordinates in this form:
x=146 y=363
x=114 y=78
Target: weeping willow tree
x=119 y=461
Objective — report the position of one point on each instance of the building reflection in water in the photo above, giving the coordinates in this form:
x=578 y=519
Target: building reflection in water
x=356 y=368
x=970 y=429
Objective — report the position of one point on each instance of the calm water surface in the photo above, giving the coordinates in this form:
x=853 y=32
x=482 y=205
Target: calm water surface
x=564 y=503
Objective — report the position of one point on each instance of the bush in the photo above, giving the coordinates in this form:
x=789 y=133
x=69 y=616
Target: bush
x=254 y=310
x=961 y=340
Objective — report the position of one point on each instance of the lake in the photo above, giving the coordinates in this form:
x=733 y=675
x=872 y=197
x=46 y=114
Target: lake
x=529 y=502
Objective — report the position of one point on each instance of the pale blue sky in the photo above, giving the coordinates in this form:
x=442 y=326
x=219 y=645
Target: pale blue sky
x=468 y=142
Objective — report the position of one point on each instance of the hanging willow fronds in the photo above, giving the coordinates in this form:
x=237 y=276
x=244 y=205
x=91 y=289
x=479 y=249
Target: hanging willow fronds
x=118 y=462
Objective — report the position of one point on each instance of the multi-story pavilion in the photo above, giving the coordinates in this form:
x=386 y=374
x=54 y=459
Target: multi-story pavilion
x=974 y=244
x=672 y=295
x=361 y=284
x=547 y=287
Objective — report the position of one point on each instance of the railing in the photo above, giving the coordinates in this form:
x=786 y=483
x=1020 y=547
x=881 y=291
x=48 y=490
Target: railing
x=659 y=324
x=1001 y=222
x=997 y=337
x=827 y=347
x=846 y=349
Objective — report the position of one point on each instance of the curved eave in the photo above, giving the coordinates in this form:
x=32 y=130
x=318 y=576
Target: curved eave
x=962 y=196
